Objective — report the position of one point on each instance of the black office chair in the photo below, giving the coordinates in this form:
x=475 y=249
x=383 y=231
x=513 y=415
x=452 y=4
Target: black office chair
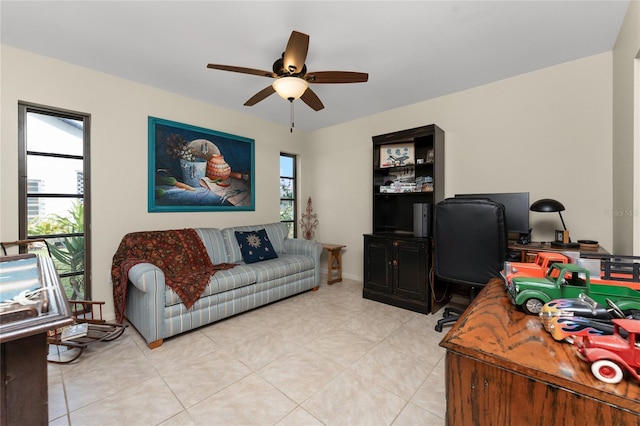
x=470 y=245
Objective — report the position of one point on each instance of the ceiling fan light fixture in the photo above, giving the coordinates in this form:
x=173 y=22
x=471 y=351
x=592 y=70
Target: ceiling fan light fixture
x=290 y=88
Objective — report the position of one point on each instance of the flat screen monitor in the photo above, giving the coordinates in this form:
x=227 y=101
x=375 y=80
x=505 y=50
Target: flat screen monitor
x=516 y=208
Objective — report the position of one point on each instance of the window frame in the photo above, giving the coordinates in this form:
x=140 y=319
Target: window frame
x=294 y=185
x=24 y=108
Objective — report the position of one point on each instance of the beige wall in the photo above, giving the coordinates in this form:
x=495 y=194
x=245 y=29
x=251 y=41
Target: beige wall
x=546 y=132
x=119 y=111
x=626 y=134
x=636 y=160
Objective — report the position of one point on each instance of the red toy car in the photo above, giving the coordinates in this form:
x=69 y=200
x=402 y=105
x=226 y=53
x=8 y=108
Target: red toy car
x=612 y=355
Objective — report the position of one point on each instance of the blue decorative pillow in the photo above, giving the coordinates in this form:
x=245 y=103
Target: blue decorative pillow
x=255 y=246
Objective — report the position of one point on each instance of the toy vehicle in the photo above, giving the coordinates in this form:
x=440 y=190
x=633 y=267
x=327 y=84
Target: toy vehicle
x=564 y=281
x=604 y=268
x=611 y=356
x=537 y=268
x=565 y=319
x=615 y=267
x=569 y=328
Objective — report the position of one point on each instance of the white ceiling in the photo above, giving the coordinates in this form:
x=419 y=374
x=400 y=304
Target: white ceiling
x=412 y=50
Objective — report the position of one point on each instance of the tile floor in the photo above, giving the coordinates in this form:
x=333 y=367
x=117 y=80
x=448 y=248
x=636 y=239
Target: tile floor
x=328 y=357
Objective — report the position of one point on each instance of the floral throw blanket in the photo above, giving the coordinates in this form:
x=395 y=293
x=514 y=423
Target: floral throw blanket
x=180 y=254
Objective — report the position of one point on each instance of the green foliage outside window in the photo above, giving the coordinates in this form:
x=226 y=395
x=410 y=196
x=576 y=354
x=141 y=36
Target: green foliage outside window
x=67 y=252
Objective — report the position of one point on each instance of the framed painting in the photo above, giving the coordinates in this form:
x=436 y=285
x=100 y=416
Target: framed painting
x=193 y=169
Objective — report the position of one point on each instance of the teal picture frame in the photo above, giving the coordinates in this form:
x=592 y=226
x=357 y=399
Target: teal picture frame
x=194 y=169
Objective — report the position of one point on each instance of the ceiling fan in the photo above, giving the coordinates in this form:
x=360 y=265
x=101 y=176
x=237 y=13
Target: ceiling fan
x=291 y=77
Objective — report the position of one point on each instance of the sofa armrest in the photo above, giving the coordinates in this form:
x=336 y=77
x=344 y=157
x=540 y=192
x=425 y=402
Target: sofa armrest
x=306 y=247
x=146 y=300
x=301 y=246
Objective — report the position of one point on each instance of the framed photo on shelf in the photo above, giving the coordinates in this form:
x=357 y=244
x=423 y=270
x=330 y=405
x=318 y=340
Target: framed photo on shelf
x=431 y=157
x=397 y=155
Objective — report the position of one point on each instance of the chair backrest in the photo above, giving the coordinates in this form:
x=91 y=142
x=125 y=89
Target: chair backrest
x=470 y=240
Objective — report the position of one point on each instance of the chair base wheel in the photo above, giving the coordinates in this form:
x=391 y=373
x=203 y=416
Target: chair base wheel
x=450 y=315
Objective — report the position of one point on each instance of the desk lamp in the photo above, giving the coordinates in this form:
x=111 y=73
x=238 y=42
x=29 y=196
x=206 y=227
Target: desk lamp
x=548 y=205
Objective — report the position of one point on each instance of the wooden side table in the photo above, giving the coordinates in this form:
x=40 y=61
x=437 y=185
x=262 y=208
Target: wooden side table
x=334 y=262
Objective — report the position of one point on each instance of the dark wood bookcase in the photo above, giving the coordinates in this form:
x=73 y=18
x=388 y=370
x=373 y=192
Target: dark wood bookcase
x=408 y=168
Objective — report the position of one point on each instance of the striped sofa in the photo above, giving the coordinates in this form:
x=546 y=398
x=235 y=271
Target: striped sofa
x=157 y=312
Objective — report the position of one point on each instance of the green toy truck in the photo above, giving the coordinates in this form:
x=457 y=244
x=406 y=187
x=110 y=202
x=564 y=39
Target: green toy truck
x=567 y=281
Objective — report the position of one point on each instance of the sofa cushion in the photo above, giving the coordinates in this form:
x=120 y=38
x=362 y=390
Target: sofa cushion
x=214 y=243
x=255 y=246
x=220 y=282
x=277 y=233
x=283 y=266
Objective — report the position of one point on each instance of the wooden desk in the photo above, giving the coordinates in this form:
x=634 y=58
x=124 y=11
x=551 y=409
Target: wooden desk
x=503 y=368
x=23 y=353
x=334 y=262
x=528 y=251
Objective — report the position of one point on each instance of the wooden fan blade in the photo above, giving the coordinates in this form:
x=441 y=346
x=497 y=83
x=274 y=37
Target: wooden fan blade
x=336 y=77
x=310 y=98
x=296 y=52
x=267 y=91
x=242 y=70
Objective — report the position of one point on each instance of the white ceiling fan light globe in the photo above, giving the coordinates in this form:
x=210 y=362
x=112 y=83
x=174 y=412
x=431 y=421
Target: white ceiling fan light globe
x=290 y=88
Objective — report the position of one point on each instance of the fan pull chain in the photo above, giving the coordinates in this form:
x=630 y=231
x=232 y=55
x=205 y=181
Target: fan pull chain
x=291 y=129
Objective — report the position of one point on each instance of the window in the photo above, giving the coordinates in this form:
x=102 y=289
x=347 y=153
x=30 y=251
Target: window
x=34 y=206
x=288 y=204
x=54 y=202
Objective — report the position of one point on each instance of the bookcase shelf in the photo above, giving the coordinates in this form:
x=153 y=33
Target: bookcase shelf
x=408 y=168
x=393 y=204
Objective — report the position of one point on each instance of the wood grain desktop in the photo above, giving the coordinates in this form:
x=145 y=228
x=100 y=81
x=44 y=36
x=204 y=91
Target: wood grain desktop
x=503 y=368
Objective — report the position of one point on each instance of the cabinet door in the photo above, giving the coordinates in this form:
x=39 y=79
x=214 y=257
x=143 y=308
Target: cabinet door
x=377 y=264
x=411 y=270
